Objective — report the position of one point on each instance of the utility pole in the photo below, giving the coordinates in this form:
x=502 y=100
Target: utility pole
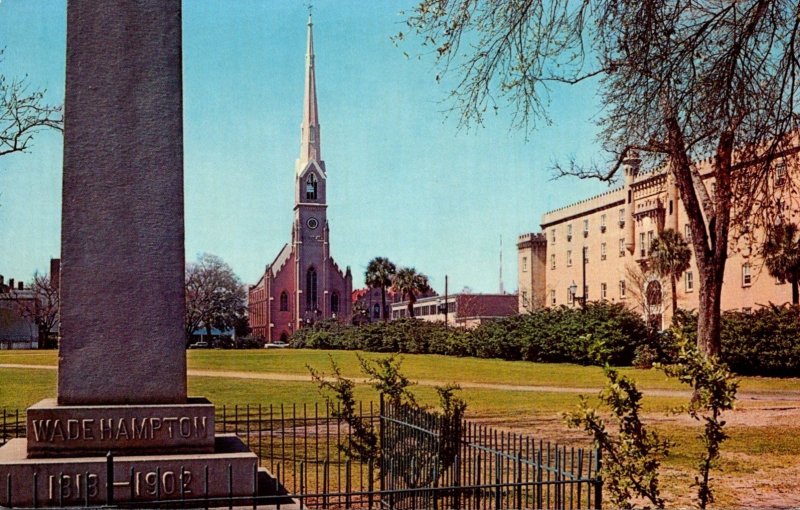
x=446 y=305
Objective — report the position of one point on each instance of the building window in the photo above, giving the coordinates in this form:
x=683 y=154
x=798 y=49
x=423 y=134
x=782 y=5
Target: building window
x=311 y=187
x=525 y=299
x=570 y=296
x=585 y=228
x=524 y=264
x=569 y=258
x=335 y=302
x=687 y=232
x=585 y=254
x=376 y=311
x=621 y=218
x=553 y=236
x=780 y=174
x=569 y=232
x=602 y=223
x=650 y=236
x=602 y=251
x=552 y=261
x=311 y=289
x=622 y=247
x=747 y=279
x=642 y=248
x=603 y=291
x=284 y=301
x=622 y=289
x=552 y=297
x=688 y=281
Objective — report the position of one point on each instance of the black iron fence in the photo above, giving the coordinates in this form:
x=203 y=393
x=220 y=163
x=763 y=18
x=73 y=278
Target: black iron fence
x=425 y=463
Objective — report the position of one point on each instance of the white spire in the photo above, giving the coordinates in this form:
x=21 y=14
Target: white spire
x=310 y=147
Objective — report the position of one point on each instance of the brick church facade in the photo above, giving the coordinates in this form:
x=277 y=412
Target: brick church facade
x=303 y=284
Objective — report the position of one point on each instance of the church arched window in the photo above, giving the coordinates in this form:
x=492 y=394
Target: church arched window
x=311 y=187
x=284 y=301
x=311 y=289
x=376 y=311
x=335 y=302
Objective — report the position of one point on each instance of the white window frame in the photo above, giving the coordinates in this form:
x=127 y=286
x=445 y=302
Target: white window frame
x=602 y=251
x=603 y=291
x=524 y=264
x=747 y=275
x=569 y=258
x=622 y=289
x=688 y=281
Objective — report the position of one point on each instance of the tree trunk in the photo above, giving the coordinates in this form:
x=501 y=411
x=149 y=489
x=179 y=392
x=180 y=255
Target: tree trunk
x=674 y=294
x=795 y=293
x=708 y=318
x=411 y=300
x=383 y=303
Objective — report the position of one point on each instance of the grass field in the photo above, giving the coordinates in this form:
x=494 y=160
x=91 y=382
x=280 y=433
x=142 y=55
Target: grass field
x=759 y=464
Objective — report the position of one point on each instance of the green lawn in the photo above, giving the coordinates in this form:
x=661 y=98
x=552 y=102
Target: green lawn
x=422 y=367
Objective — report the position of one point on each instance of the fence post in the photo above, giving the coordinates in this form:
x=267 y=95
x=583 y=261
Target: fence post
x=381 y=444
x=497 y=480
x=598 y=484
x=109 y=479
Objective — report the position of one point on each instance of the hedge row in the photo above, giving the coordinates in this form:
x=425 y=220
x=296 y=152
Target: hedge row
x=763 y=342
x=603 y=331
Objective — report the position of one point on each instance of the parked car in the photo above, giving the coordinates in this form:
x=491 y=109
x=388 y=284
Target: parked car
x=199 y=345
x=276 y=345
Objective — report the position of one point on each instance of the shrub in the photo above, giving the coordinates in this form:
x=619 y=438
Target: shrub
x=601 y=333
x=761 y=342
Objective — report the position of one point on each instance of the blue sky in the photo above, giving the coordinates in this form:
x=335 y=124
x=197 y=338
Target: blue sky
x=403 y=181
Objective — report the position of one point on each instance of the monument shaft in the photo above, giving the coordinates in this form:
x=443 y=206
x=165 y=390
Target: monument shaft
x=122 y=273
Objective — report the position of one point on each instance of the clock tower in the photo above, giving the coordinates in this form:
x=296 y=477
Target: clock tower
x=310 y=232
x=303 y=284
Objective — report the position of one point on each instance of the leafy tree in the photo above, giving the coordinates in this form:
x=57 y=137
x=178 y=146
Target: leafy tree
x=670 y=257
x=215 y=297
x=678 y=80
x=380 y=272
x=23 y=113
x=714 y=392
x=781 y=253
x=633 y=454
x=409 y=283
x=42 y=309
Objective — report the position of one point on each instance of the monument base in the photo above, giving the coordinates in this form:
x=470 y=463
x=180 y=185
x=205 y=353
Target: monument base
x=84 y=430
x=231 y=471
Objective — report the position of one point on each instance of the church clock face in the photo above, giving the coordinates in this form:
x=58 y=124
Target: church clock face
x=312 y=223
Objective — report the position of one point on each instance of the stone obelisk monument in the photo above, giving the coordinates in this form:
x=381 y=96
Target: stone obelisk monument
x=122 y=363
x=122 y=226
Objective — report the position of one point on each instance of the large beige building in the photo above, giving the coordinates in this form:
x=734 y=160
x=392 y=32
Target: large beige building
x=601 y=244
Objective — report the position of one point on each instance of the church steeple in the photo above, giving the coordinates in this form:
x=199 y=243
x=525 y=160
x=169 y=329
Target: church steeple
x=310 y=147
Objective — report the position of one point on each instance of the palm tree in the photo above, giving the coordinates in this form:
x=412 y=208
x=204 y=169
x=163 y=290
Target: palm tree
x=408 y=282
x=781 y=252
x=670 y=256
x=380 y=272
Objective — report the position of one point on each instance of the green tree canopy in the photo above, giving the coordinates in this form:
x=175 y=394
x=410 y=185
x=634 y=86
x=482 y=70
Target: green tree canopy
x=781 y=253
x=409 y=283
x=670 y=257
x=379 y=275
